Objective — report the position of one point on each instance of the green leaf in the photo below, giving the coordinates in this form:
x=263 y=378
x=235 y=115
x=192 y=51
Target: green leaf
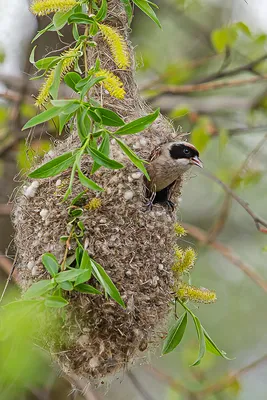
x=78 y=197
x=146 y=8
x=243 y=28
x=61 y=18
x=138 y=125
x=66 y=286
x=40 y=33
x=75 y=32
x=201 y=340
x=70 y=275
x=32 y=55
x=71 y=79
x=86 y=262
x=133 y=157
x=87 y=289
x=39 y=288
x=175 y=334
x=103 y=160
x=84 y=277
x=73 y=106
x=104 y=149
x=93 y=29
x=103 y=278
x=56 y=81
x=128 y=10
x=55 y=302
x=109 y=117
x=51 y=264
x=224 y=38
x=179 y=112
x=43 y=117
x=46 y=63
x=54 y=167
x=212 y=347
x=88 y=84
x=94 y=115
x=63 y=120
x=102 y=12
x=75 y=212
x=64 y=103
x=200 y=137
x=80 y=18
x=82 y=131
x=88 y=183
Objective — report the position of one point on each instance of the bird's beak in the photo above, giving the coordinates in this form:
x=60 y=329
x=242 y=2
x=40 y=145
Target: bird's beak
x=196 y=161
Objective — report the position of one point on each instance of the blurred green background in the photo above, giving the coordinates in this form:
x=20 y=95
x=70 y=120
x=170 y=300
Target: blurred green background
x=201 y=41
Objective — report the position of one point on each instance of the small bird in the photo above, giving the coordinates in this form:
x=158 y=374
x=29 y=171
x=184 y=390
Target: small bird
x=167 y=163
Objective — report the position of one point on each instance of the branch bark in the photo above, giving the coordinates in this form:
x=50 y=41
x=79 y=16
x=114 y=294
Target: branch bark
x=227 y=253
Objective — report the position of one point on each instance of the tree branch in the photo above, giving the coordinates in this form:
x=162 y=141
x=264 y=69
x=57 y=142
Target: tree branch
x=249 y=67
x=229 y=380
x=204 y=87
x=6 y=265
x=227 y=253
x=225 y=210
x=257 y=219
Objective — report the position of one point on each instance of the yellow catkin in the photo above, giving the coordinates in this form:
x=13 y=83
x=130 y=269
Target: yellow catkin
x=188 y=260
x=179 y=230
x=178 y=252
x=112 y=83
x=45 y=7
x=185 y=259
x=192 y=293
x=117 y=45
x=69 y=58
x=44 y=90
x=93 y=204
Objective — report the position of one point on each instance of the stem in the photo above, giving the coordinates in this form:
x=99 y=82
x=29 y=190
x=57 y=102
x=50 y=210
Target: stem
x=63 y=264
x=86 y=33
x=186 y=308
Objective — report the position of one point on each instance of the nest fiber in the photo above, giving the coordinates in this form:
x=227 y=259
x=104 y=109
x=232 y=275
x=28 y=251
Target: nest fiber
x=97 y=337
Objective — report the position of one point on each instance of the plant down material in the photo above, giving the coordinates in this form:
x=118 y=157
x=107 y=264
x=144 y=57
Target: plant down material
x=96 y=337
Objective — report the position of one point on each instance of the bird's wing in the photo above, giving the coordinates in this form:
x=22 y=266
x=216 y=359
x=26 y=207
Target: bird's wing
x=173 y=188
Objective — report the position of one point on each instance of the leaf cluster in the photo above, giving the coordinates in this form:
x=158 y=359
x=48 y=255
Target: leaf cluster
x=177 y=331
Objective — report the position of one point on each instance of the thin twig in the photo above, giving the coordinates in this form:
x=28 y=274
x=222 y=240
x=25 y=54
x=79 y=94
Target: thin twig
x=225 y=209
x=257 y=219
x=172 y=383
x=10 y=95
x=227 y=253
x=249 y=67
x=229 y=380
x=9 y=277
x=6 y=265
x=204 y=87
x=192 y=64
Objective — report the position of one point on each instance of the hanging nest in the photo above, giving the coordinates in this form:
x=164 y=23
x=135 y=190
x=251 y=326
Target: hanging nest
x=97 y=337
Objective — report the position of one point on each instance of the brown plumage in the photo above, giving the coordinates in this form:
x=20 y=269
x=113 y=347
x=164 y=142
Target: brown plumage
x=167 y=163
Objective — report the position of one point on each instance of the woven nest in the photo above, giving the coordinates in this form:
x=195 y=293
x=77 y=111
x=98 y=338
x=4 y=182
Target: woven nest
x=97 y=336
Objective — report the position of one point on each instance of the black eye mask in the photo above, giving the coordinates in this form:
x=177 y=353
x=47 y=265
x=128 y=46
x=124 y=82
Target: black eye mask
x=182 y=151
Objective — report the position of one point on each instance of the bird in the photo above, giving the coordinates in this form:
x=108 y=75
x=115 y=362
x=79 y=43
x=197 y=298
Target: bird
x=167 y=163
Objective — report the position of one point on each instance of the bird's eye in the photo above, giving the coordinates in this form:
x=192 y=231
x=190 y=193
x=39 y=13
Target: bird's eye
x=186 y=151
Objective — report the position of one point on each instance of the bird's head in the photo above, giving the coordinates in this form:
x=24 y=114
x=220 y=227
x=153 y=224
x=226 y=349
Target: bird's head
x=184 y=154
